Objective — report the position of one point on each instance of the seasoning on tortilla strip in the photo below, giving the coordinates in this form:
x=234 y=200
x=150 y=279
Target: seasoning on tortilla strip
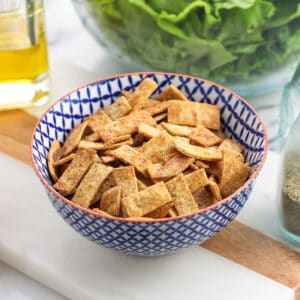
x=55 y=146
x=106 y=185
x=71 y=141
x=203 y=197
x=201 y=164
x=102 y=146
x=159 y=146
x=178 y=130
x=148 y=131
x=111 y=201
x=184 y=201
x=118 y=109
x=171 y=92
x=132 y=157
x=98 y=120
x=79 y=166
x=193 y=114
x=146 y=201
x=128 y=124
x=234 y=172
x=177 y=164
x=231 y=145
x=126 y=179
x=214 y=188
x=87 y=191
x=64 y=160
x=143 y=91
x=214 y=168
x=161 y=212
x=117 y=139
x=93 y=137
x=196 y=180
x=157 y=108
x=107 y=159
x=204 y=137
x=197 y=152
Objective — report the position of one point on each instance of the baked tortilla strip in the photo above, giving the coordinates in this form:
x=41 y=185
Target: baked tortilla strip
x=118 y=109
x=102 y=146
x=101 y=212
x=160 y=117
x=106 y=185
x=93 y=137
x=201 y=164
x=106 y=159
x=172 y=213
x=209 y=153
x=132 y=157
x=64 y=160
x=193 y=114
x=146 y=201
x=203 y=197
x=71 y=141
x=111 y=201
x=177 y=164
x=214 y=168
x=55 y=146
x=214 y=188
x=158 y=147
x=71 y=177
x=160 y=212
x=126 y=179
x=184 y=201
x=178 y=130
x=141 y=185
x=157 y=108
x=196 y=180
x=142 y=91
x=234 y=172
x=97 y=120
x=148 y=131
x=128 y=124
x=204 y=137
x=171 y=92
x=231 y=145
x=86 y=193
x=144 y=103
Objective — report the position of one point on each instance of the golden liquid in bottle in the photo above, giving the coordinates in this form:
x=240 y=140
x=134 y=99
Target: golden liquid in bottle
x=23 y=61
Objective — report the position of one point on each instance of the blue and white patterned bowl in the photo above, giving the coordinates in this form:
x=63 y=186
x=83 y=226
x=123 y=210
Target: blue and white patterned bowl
x=162 y=236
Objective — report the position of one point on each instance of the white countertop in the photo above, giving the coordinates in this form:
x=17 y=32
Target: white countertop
x=74 y=60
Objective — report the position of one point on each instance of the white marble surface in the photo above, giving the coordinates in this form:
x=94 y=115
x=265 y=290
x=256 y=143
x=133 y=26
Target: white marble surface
x=37 y=242
x=76 y=59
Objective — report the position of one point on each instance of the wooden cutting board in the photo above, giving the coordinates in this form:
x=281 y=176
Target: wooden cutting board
x=237 y=242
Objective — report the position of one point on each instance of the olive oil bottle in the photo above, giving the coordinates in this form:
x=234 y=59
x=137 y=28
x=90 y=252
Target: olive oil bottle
x=24 y=79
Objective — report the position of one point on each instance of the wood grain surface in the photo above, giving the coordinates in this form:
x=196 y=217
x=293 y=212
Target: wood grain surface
x=16 y=127
x=237 y=242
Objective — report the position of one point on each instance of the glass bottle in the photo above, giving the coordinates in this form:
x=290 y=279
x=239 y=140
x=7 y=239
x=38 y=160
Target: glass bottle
x=290 y=168
x=24 y=79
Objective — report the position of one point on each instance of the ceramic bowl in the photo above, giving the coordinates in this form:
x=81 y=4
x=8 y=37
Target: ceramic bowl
x=152 y=237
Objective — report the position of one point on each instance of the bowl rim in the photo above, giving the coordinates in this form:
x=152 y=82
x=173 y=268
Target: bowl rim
x=50 y=188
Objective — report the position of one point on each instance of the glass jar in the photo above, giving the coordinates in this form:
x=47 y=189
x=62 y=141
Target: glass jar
x=290 y=167
x=290 y=185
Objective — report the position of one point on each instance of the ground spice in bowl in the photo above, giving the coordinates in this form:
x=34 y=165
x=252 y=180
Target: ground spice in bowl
x=290 y=193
